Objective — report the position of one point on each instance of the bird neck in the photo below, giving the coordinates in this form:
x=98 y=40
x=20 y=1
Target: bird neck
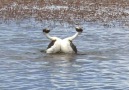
x=48 y=36
x=74 y=36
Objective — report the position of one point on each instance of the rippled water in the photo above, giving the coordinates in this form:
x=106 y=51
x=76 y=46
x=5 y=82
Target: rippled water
x=101 y=64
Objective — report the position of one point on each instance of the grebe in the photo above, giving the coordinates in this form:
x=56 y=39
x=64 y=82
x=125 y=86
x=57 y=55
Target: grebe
x=62 y=45
x=54 y=46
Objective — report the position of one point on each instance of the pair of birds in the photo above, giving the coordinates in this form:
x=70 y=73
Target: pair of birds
x=65 y=45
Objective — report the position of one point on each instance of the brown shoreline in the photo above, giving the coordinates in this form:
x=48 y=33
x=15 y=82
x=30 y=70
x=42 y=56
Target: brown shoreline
x=71 y=11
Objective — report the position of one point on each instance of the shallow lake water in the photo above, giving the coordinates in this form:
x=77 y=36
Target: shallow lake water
x=102 y=62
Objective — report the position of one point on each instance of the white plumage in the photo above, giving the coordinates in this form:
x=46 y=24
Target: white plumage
x=58 y=45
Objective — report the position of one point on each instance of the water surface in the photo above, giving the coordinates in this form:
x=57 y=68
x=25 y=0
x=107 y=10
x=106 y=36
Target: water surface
x=101 y=64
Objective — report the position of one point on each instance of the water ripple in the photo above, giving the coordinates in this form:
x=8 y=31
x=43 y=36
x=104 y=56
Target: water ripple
x=102 y=62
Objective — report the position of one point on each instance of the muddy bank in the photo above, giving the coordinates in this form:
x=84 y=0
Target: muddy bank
x=71 y=11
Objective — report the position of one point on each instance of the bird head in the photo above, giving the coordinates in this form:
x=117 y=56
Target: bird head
x=79 y=29
x=46 y=30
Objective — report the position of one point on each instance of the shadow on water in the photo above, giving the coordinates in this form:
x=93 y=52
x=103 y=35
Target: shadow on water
x=58 y=56
x=68 y=57
x=89 y=55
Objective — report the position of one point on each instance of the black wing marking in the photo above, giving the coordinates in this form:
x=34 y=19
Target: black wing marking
x=51 y=44
x=73 y=47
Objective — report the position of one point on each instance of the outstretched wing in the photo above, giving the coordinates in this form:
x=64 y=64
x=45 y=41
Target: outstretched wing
x=51 y=44
x=73 y=47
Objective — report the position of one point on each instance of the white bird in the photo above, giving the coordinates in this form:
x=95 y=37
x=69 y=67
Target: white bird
x=58 y=45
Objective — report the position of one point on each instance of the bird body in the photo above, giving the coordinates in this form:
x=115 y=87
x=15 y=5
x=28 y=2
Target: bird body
x=66 y=46
x=61 y=45
x=54 y=46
